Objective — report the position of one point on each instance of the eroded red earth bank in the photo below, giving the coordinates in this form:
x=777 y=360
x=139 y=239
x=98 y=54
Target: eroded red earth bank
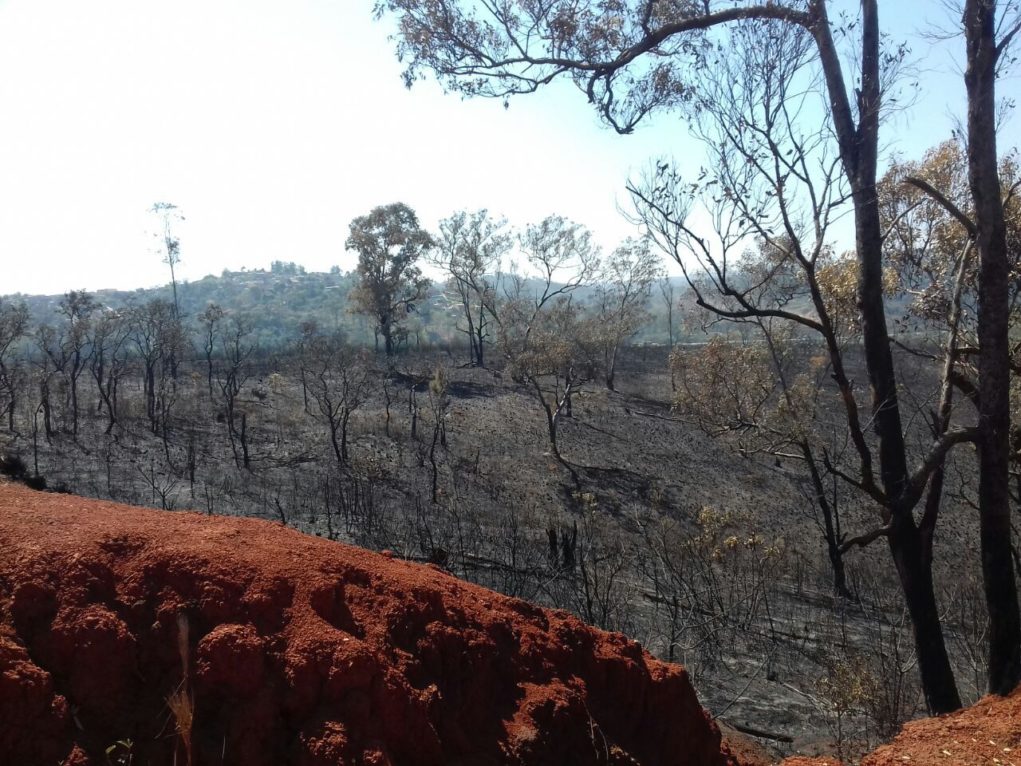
x=299 y=650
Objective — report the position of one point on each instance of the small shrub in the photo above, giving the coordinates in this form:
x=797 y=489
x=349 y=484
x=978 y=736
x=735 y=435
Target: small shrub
x=12 y=465
x=36 y=482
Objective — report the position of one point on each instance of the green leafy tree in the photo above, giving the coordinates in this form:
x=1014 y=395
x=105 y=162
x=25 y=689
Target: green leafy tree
x=389 y=243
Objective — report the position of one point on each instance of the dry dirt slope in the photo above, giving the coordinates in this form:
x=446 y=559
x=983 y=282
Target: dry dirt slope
x=986 y=734
x=298 y=650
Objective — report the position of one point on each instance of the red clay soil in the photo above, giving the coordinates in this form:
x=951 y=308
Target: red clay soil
x=298 y=650
x=986 y=734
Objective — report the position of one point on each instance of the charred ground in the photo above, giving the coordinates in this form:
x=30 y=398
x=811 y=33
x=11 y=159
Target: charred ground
x=706 y=556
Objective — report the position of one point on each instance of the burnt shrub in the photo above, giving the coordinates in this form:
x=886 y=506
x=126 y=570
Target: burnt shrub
x=12 y=465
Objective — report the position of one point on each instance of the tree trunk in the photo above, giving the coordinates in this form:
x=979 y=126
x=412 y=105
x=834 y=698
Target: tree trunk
x=831 y=524
x=343 y=434
x=47 y=414
x=859 y=149
x=229 y=406
x=915 y=574
x=553 y=414
x=388 y=337
x=99 y=373
x=1004 y=669
x=10 y=409
x=111 y=418
x=878 y=357
x=74 y=404
x=112 y=386
x=611 y=366
x=337 y=450
x=432 y=462
x=244 y=441
x=480 y=331
x=150 y=394
x=473 y=352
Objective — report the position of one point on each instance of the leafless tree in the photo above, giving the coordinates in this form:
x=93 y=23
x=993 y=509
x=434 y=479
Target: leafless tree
x=538 y=323
x=77 y=307
x=988 y=35
x=470 y=249
x=622 y=297
x=231 y=379
x=338 y=380
x=210 y=321
x=156 y=337
x=14 y=319
x=110 y=331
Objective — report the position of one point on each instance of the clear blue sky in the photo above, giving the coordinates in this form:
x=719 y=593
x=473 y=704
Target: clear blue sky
x=272 y=124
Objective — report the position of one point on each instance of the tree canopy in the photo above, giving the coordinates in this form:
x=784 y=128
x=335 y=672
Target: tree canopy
x=389 y=243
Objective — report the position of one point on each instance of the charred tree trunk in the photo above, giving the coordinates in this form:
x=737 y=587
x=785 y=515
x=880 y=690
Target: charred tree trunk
x=553 y=412
x=74 y=401
x=387 y=401
x=386 y=330
x=343 y=433
x=611 y=368
x=44 y=403
x=12 y=394
x=480 y=332
x=246 y=462
x=831 y=524
x=150 y=394
x=859 y=148
x=915 y=575
x=209 y=371
x=432 y=463
x=1004 y=669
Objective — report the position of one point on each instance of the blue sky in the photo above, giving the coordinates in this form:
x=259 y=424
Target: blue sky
x=272 y=124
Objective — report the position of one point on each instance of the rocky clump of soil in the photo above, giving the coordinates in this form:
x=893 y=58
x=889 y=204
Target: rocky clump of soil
x=136 y=636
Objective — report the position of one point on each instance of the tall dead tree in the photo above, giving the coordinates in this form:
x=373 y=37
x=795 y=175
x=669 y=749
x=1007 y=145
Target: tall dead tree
x=337 y=380
x=13 y=327
x=985 y=54
x=231 y=379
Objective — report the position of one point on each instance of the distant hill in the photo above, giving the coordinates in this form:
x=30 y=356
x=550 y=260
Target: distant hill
x=277 y=301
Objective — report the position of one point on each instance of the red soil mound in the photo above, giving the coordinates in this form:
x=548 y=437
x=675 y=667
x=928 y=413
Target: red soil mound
x=989 y=732
x=986 y=734
x=299 y=650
